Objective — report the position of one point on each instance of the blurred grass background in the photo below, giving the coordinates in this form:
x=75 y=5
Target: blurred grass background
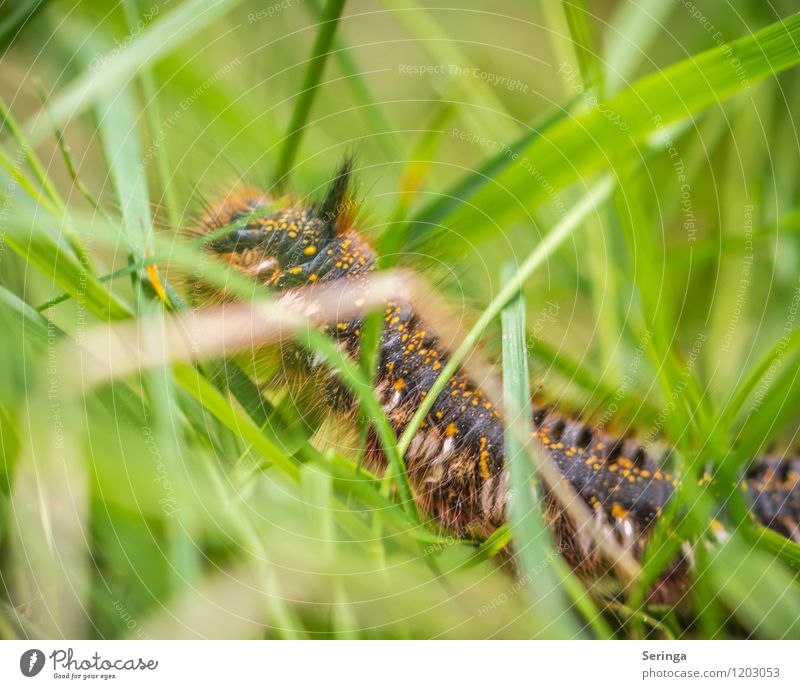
x=144 y=507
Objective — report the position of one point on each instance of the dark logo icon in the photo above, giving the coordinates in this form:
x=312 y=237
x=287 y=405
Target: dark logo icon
x=31 y=662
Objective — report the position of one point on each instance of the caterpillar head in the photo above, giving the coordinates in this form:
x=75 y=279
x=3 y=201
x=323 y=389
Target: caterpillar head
x=288 y=245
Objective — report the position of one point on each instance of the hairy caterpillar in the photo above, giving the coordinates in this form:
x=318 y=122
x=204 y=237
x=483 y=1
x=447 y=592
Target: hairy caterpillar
x=456 y=460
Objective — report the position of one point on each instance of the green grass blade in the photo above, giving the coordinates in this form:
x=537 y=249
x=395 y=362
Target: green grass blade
x=119 y=134
x=154 y=120
x=38 y=247
x=584 y=44
x=17 y=19
x=445 y=204
x=482 y=111
x=162 y=36
x=30 y=156
x=584 y=144
x=372 y=109
x=634 y=26
x=532 y=541
x=213 y=400
x=595 y=197
x=759 y=591
x=781 y=352
x=352 y=375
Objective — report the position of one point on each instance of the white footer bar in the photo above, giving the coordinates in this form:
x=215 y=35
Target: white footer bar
x=406 y=664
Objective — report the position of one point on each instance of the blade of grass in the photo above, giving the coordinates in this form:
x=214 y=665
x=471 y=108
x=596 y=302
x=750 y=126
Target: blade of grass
x=13 y=170
x=603 y=271
x=780 y=352
x=371 y=107
x=117 y=122
x=350 y=480
x=153 y=113
x=369 y=354
x=419 y=160
x=485 y=113
x=69 y=161
x=593 y=198
x=30 y=156
x=39 y=249
x=595 y=390
x=632 y=29
x=584 y=43
x=589 y=140
x=444 y=205
x=354 y=378
x=49 y=189
x=757 y=588
x=16 y=20
x=773 y=542
x=214 y=402
x=777 y=404
x=118 y=66
x=716 y=247
x=305 y=97
x=533 y=544
x=166 y=429
x=671 y=368
x=50 y=501
x=186 y=256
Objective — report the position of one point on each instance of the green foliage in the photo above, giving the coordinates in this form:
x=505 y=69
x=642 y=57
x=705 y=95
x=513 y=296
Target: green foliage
x=652 y=237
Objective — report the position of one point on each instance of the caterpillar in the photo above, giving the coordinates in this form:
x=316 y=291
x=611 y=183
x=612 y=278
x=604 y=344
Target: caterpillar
x=455 y=462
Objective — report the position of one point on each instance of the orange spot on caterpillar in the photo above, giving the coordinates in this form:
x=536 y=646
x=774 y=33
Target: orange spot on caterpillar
x=619 y=511
x=484 y=464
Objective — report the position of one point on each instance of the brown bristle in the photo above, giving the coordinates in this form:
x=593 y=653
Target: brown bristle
x=347 y=217
x=338 y=209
